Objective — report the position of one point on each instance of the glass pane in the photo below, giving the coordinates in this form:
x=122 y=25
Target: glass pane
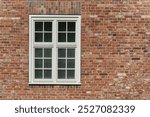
x=61 y=37
x=47 y=52
x=47 y=74
x=70 y=63
x=71 y=26
x=38 y=26
x=70 y=74
x=62 y=26
x=38 y=63
x=70 y=53
x=38 y=37
x=61 y=63
x=38 y=52
x=47 y=37
x=71 y=37
x=47 y=26
x=38 y=74
x=61 y=53
x=61 y=74
x=47 y=63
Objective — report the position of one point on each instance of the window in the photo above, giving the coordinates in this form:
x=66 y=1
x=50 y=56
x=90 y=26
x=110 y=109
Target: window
x=54 y=49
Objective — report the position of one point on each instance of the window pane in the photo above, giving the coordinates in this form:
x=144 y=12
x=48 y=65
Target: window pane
x=70 y=74
x=38 y=52
x=71 y=37
x=47 y=52
x=47 y=26
x=38 y=37
x=61 y=53
x=47 y=74
x=62 y=26
x=38 y=63
x=47 y=37
x=70 y=63
x=61 y=63
x=61 y=74
x=38 y=26
x=61 y=37
x=47 y=63
x=71 y=26
x=70 y=53
x=38 y=74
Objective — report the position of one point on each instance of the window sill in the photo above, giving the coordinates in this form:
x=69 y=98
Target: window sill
x=58 y=83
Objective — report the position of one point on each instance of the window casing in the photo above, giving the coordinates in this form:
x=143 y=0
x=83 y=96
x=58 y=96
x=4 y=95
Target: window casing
x=54 y=49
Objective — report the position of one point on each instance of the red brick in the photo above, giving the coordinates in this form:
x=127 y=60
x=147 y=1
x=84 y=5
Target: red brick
x=115 y=49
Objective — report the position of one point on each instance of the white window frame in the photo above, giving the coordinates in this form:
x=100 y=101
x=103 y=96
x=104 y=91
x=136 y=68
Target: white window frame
x=54 y=45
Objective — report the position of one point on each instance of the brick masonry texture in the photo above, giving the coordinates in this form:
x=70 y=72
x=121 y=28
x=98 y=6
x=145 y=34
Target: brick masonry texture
x=115 y=49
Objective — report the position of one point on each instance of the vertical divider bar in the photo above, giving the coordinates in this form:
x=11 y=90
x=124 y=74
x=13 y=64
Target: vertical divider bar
x=43 y=53
x=66 y=49
x=54 y=51
x=66 y=64
x=42 y=63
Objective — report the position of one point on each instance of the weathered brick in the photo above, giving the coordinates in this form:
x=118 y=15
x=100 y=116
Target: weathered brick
x=115 y=60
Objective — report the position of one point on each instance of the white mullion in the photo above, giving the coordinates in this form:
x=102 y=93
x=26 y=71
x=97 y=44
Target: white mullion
x=54 y=51
x=66 y=49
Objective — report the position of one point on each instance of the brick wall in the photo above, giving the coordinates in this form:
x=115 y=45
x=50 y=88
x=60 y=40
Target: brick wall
x=115 y=49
